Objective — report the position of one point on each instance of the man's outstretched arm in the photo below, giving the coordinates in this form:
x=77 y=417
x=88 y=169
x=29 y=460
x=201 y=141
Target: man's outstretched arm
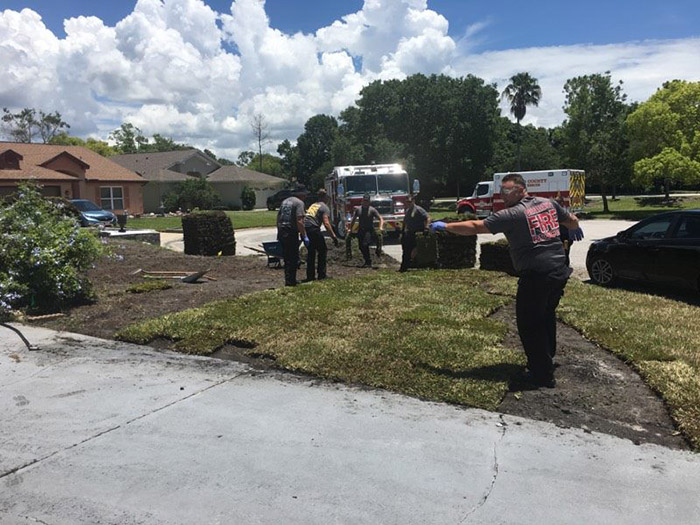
x=461 y=228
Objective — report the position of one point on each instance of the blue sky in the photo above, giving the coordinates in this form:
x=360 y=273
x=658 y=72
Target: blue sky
x=201 y=77
x=507 y=23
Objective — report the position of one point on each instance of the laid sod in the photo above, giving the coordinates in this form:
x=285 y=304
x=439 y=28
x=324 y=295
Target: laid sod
x=426 y=334
x=659 y=337
x=240 y=219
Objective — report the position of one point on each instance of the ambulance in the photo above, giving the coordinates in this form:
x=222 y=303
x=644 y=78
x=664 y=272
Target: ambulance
x=568 y=184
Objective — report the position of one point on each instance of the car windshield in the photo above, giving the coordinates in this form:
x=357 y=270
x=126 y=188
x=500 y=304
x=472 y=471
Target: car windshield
x=655 y=229
x=86 y=206
x=394 y=183
x=360 y=184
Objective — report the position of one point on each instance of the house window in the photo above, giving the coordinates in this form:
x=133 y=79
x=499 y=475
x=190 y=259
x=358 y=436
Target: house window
x=111 y=198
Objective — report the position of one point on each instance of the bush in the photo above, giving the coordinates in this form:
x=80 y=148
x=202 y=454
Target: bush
x=191 y=194
x=208 y=233
x=44 y=254
x=248 y=198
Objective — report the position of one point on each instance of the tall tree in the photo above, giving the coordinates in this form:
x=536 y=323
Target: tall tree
x=594 y=131
x=24 y=125
x=315 y=149
x=523 y=91
x=98 y=146
x=665 y=136
x=128 y=138
x=261 y=133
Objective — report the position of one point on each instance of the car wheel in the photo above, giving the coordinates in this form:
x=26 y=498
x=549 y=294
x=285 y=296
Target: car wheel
x=466 y=209
x=340 y=229
x=602 y=272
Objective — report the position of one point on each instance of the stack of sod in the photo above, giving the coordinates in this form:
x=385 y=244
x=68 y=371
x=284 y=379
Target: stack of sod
x=208 y=233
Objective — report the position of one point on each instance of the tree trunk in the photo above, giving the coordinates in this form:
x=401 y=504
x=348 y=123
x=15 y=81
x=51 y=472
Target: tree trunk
x=520 y=139
x=614 y=192
x=667 y=189
x=605 y=198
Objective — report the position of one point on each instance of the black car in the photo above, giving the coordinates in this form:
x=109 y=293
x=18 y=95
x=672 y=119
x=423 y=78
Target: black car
x=274 y=200
x=662 y=249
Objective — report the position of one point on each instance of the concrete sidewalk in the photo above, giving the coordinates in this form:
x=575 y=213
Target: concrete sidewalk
x=95 y=431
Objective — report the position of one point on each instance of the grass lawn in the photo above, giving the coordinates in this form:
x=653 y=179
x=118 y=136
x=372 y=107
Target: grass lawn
x=428 y=334
x=638 y=208
x=240 y=219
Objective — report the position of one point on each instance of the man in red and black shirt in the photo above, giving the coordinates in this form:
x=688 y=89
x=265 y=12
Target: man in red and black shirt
x=531 y=225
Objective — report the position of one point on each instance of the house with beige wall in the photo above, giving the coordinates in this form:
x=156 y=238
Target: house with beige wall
x=72 y=172
x=164 y=170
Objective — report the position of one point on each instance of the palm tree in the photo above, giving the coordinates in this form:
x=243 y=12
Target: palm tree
x=523 y=91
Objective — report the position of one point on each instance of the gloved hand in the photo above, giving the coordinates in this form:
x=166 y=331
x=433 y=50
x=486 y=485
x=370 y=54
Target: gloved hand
x=438 y=226
x=336 y=242
x=576 y=234
x=306 y=241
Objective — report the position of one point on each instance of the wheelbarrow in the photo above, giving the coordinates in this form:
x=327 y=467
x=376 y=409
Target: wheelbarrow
x=274 y=252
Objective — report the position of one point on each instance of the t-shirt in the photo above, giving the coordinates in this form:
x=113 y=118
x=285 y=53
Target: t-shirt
x=290 y=209
x=366 y=218
x=315 y=213
x=532 y=230
x=415 y=218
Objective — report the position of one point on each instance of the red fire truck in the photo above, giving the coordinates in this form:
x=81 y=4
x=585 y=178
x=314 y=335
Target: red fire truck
x=387 y=184
x=568 y=184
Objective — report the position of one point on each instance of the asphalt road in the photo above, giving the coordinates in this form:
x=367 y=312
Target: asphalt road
x=593 y=229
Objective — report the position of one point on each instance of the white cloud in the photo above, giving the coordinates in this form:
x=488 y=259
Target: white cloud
x=178 y=68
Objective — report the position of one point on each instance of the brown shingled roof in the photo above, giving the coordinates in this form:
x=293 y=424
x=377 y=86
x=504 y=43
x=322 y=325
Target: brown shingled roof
x=100 y=168
x=238 y=174
x=154 y=166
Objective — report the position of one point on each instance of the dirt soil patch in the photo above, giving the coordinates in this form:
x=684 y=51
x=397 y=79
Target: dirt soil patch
x=595 y=390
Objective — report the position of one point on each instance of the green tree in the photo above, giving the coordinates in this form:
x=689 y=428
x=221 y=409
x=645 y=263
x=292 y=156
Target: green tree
x=594 y=132
x=290 y=159
x=245 y=157
x=271 y=165
x=128 y=138
x=98 y=146
x=193 y=193
x=665 y=136
x=24 y=125
x=523 y=91
x=315 y=146
x=536 y=144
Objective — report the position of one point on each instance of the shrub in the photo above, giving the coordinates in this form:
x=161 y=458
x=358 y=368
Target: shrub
x=44 y=254
x=248 y=198
x=496 y=256
x=191 y=194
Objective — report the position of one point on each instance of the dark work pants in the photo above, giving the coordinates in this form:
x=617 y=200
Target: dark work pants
x=290 y=249
x=317 y=248
x=535 y=306
x=365 y=238
x=408 y=244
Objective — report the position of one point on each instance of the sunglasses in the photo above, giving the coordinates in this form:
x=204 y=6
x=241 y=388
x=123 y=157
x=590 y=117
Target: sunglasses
x=508 y=191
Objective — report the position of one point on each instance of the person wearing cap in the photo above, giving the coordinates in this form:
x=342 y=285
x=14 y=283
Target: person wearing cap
x=415 y=221
x=531 y=225
x=365 y=216
x=317 y=215
x=290 y=224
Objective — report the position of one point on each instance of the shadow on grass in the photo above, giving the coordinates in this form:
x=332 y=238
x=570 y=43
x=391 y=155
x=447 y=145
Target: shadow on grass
x=689 y=297
x=497 y=372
